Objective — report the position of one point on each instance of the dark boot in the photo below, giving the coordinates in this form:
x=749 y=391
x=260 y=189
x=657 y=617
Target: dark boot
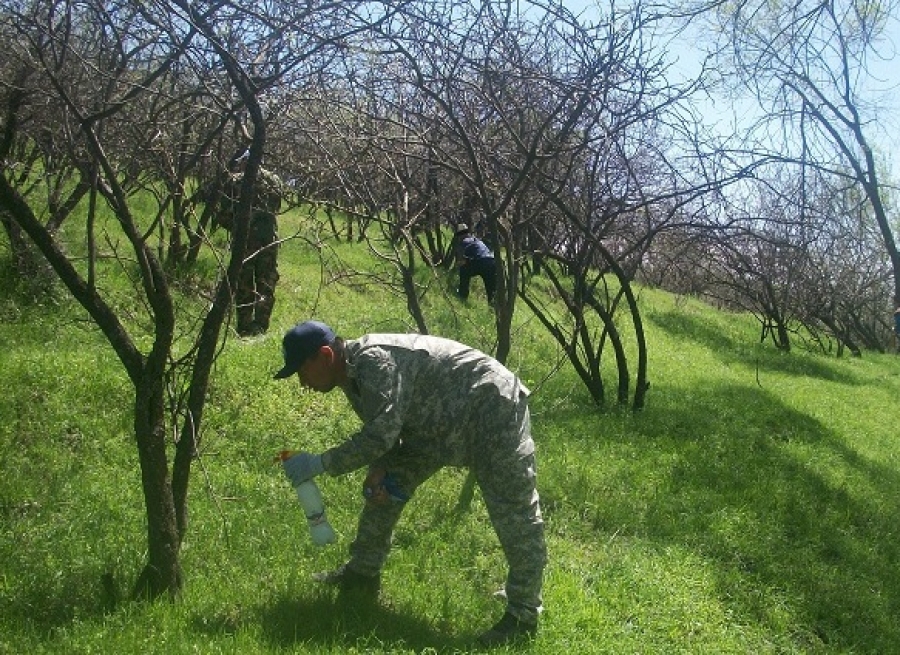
x=346 y=579
x=507 y=630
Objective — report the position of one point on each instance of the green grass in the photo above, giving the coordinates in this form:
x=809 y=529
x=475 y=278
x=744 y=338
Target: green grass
x=752 y=507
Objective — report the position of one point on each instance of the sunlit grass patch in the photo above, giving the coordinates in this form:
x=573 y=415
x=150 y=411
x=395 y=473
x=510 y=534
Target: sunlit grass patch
x=750 y=507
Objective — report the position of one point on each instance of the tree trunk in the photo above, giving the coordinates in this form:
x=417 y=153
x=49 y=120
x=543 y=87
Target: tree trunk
x=162 y=572
x=504 y=306
x=26 y=260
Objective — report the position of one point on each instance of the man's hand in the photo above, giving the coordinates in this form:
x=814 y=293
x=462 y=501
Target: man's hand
x=373 y=487
x=302 y=467
x=381 y=488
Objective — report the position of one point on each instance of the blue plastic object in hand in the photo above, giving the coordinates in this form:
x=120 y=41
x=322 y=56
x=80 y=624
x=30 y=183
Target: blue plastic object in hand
x=302 y=467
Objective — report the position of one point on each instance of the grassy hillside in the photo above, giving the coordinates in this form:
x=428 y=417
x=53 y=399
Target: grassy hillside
x=752 y=507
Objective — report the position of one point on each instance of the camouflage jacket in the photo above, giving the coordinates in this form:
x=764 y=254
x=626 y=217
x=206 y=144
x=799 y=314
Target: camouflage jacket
x=266 y=203
x=440 y=399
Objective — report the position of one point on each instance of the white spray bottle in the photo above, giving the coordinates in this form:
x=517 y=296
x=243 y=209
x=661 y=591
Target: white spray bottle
x=313 y=507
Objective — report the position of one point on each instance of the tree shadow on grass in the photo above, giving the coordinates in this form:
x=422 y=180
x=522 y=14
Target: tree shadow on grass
x=792 y=520
x=52 y=602
x=730 y=350
x=336 y=619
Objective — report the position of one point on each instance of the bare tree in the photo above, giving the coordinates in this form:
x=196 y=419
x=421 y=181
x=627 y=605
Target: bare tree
x=129 y=84
x=496 y=98
x=557 y=140
x=799 y=253
x=847 y=278
x=807 y=63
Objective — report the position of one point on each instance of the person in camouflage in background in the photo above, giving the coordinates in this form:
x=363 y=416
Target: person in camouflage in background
x=426 y=403
x=255 y=294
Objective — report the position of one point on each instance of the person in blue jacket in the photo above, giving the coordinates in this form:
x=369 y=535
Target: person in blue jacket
x=473 y=259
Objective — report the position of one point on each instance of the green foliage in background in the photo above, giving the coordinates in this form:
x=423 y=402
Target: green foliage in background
x=752 y=507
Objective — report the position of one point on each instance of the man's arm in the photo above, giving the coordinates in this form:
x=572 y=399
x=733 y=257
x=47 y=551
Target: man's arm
x=459 y=252
x=382 y=411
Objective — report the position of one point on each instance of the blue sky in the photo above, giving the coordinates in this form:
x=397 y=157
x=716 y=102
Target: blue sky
x=884 y=130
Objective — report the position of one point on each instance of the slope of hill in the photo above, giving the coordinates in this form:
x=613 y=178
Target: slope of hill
x=752 y=507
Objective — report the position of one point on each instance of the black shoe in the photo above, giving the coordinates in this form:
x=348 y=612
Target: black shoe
x=346 y=579
x=253 y=329
x=508 y=629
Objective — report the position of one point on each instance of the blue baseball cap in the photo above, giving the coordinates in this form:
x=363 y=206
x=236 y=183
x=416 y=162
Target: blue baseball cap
x=302 y=342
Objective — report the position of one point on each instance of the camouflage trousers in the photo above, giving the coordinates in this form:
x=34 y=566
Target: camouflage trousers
x=507 y=482
x=255 y=295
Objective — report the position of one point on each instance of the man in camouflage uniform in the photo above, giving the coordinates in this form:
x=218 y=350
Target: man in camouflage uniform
x=426 y=402
x=255 y=294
